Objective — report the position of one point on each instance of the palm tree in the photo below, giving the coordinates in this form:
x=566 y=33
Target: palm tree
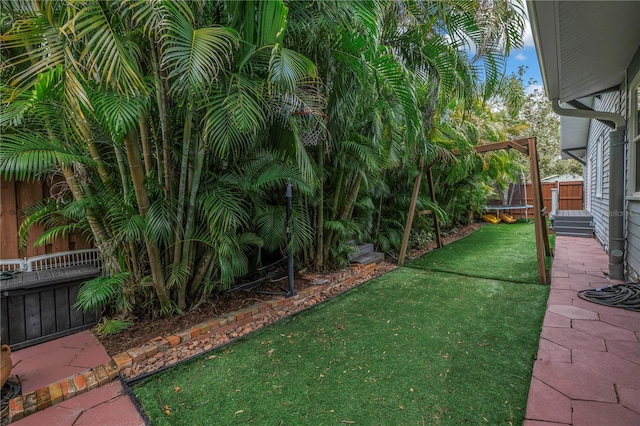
x=171 y=101
x=177 y=124
x=389 y=67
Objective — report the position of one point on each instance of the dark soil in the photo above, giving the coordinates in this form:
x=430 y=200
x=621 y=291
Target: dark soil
x=144 y=330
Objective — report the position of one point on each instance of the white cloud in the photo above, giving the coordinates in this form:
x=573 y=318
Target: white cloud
x=527 y=38
x=521 y=57
x=532 y=88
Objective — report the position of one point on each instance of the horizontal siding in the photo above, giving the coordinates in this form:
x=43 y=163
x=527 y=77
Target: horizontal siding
x=633 y=240
x=633 y=207
x=599 y=208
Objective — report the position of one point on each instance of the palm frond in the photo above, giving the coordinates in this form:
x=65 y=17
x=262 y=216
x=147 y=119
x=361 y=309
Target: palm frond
x=118 y=113
x=288 y=67
x=270 y=222
x=160 y=222
x=224 y=209
x=29 y=156
x=106 y=50
x=96 y=294
x=194 y=57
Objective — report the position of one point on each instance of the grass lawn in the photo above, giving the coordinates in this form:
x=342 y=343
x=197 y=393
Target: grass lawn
x=504 y=252
x=414 y=346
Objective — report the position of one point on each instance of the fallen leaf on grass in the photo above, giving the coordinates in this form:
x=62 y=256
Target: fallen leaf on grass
x=401 y=407
x=239 y=412
x=176 y=389
x=348 y=422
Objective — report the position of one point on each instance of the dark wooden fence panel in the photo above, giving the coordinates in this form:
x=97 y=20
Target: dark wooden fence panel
x=38 y=306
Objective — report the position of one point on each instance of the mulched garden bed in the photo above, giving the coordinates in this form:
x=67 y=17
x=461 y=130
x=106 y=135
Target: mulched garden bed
x=143 y=331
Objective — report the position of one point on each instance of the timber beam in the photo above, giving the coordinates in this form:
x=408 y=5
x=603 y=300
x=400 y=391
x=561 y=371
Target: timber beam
x=521 y=145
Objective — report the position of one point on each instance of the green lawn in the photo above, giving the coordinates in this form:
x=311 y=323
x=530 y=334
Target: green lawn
x=504 y=252
x=414 y=346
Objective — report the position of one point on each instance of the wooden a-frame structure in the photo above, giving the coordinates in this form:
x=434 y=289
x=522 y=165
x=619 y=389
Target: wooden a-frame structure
x=525 y=146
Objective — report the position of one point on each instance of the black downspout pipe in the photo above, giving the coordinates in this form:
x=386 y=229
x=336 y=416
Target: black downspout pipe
x=616 y=204
x=289 y=195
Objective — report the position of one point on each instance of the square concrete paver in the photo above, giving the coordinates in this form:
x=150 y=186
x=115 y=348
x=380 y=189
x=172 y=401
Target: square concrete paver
x=630 y=398
x=590 y=413
x=573 y=339
x=547 y=404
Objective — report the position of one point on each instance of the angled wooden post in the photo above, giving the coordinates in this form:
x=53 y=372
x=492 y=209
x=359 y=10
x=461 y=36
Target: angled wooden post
x=540 y=223
x=435 y=216
x=411 y=212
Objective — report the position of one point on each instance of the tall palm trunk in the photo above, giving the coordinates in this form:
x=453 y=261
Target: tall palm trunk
x=99 y=233
x=85 y=131
x=122 y=168
x=161 y=97
x=142 y=197
x=182 y=185
x=319 y=261
x=146 y=145
x=349 y=202
x=191 y=218
x=200 y=272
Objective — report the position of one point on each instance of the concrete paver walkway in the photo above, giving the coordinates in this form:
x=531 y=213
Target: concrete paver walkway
x=41 y=365
x=587 y=371
x=48 y=362
x=105 y=406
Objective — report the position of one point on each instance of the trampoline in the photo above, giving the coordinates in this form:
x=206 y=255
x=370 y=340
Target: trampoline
x=513 y=197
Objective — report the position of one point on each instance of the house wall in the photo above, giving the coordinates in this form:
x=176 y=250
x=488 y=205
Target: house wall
x=616 y=102
x=632 y=204
x=599 y=133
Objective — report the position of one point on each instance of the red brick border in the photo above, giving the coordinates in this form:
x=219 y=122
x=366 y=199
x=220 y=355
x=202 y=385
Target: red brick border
x=80 y=383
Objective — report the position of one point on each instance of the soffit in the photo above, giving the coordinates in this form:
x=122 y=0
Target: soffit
x=584 y=47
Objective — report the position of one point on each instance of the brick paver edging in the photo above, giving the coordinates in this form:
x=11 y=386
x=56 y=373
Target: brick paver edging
x=228 y=325
x=67 y=388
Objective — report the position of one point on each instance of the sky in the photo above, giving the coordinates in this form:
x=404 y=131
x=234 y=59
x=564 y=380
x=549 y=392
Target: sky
x=526 y=56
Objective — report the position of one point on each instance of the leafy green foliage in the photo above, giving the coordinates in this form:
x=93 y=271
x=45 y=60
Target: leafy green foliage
x=96 y=294
x=178 y=125
x=109 y=326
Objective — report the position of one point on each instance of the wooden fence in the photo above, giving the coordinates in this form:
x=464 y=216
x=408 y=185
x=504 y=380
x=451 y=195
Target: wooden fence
x=14 y=197
x=570 y=197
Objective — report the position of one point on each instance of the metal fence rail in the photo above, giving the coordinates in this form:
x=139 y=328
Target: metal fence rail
x=52 y=261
